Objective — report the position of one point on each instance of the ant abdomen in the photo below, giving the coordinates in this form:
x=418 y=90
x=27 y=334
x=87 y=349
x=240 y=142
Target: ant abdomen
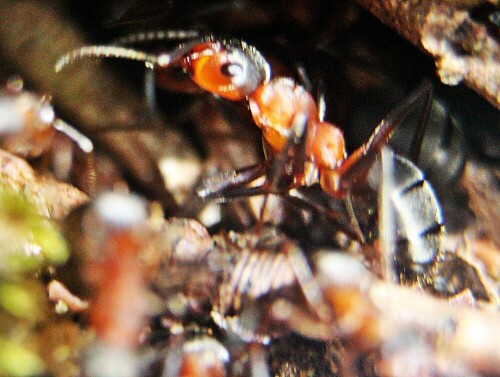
x=418 y=213
x=400 y=208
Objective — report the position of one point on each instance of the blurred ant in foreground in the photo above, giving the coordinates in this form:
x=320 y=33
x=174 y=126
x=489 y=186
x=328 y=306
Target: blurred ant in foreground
x=302 y=149
x=201 y=280
x=30 y=129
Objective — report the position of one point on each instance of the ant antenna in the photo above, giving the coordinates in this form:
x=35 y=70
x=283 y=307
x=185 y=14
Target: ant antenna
x=154 y=36
x=105 y=52
x=151 y=60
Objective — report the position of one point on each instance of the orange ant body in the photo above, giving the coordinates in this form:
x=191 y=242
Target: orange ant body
x=275 y=105
x=235 y=71
x=108 y=235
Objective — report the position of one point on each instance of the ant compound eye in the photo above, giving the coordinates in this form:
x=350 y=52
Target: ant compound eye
x=230 y=69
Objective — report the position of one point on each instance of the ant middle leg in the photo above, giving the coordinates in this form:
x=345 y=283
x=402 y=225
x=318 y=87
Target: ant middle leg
x=233 y=183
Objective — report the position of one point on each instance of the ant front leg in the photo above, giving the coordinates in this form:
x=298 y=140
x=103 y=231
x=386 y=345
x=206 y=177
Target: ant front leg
x=233 y=183
x=278 y=171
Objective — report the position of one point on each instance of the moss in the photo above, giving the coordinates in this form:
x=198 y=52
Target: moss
x=28 y=240
x=18 y=361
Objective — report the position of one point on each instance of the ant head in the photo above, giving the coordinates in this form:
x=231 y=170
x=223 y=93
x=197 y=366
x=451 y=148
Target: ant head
x=228 y=68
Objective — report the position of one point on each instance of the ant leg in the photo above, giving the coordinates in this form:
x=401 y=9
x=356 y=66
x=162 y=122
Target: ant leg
x=83 y=174
x=359 y=162
x=290 y=161
x=418 y=137
x=231 y=184
x=294 y=153
x=387 y=218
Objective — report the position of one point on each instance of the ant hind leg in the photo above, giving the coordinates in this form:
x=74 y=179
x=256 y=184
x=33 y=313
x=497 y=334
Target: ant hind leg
x=359 y=162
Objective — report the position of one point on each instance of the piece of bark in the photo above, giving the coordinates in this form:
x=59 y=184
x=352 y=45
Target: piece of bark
x=462 y=48
x=460 y=337
x=52 y=198
x=58 y=292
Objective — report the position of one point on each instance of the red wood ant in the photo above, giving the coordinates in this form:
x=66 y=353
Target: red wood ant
x=303 y=149
x=30 y=129
x=234 y=70
x=111 y=233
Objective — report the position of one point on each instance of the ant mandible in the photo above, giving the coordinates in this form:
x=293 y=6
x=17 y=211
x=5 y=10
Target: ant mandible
x=305 y=149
